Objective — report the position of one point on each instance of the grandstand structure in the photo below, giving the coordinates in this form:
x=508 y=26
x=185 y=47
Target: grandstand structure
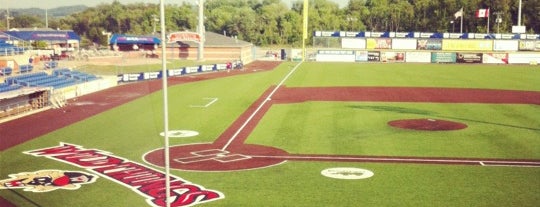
x=34 y=91
x=7 y=49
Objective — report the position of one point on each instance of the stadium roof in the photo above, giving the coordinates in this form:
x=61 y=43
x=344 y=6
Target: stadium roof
x=46 y=35
x=133 y=39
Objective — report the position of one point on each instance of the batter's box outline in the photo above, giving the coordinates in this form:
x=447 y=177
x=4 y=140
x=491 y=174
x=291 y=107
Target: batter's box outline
x=209 y=152
x=232 y=158
x=218 y=155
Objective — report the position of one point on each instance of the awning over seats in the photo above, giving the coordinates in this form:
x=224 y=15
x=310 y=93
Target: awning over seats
x=132 y=39
x=53 y=35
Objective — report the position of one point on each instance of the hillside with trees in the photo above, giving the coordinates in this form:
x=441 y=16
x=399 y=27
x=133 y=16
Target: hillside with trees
x=271 y=22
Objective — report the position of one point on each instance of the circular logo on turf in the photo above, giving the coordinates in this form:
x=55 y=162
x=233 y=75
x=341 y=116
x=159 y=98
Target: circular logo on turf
x=180 y=133
x=348 y=173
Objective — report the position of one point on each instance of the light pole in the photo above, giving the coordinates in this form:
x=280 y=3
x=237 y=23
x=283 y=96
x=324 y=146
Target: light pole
x=154 y=20
x=8 y=17
x=201 y=31
x=498 y=20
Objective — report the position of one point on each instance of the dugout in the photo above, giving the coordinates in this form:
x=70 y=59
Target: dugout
x=24 y=100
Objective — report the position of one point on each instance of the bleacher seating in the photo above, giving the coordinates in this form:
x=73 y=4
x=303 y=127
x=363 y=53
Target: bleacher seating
x=25 y=68
x=8 y=87
x=6 y=71
x=9 y=49
x=60 y=78
x=51 y=65
x=84 y=77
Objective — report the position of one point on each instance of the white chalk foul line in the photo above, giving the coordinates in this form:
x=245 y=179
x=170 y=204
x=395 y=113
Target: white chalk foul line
x=212 y=100
x=501 y=163
x=268 y=98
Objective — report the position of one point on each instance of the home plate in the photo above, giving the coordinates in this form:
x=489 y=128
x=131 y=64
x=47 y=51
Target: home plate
x=180 y=133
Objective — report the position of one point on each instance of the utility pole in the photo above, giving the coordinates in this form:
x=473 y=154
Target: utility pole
x=154 y=20
x=8 y=17
x=519 y=13
x=201 y=31
x=498 y=20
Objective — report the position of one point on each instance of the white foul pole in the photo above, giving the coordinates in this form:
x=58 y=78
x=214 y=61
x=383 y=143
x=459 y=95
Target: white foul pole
x=165 y=104
x=304 y=28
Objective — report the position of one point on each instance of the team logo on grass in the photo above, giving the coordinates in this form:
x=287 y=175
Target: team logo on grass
x=348 y=173
x=180 y=133
x=143 y=180
x=47 y=180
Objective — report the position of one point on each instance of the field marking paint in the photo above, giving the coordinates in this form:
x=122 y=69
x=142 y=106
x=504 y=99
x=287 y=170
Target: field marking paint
x=268 y=98
x=212 y=100
x=501 y=163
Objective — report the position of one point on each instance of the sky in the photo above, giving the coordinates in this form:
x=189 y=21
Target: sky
x=46 y=4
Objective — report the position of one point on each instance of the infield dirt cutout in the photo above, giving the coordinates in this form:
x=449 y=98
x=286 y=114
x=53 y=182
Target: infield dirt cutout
x=427 y=124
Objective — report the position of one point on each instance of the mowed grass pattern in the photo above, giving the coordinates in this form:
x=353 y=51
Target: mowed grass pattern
x=337 y=128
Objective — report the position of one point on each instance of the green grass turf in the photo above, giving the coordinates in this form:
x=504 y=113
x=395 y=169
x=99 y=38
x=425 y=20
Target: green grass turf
x=516 y=77
x=352 y=128
x=357 y=128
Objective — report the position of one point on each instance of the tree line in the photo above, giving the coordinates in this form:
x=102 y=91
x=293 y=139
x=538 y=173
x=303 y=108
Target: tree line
x=272 y=22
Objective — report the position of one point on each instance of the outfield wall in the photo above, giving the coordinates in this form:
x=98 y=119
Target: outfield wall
x=131 y=77
x=428 y=57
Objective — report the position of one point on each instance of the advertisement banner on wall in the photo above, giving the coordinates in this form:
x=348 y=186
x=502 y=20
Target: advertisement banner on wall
x=361 y=56
x=175 y=72
x=374 y=56
x=418 y=57
x=537 y=47
x=335 y=56
x=495 y=58
x=469 y=57
x=505 y=45
x=392 y=57
x=378 y=43
x=523 y=58
x=296 y=54
x=132 y=77
x=206 y=68
x=221 y=66
x=404 y=44
x=467 y=45
x=443 y=57
x=192 y=69
x=429 y=44
x=353 y=43
x=151 y=75
x=527 y=45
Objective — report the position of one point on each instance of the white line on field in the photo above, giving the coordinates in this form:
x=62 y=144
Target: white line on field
x=501 y=163
x=268 y=98
x=207 y=105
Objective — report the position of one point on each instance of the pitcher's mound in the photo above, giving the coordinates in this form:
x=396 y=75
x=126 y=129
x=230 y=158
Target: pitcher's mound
x=427 y=124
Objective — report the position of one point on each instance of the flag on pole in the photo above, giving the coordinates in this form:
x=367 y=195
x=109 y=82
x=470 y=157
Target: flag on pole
x=459 y=13
x=482 y=13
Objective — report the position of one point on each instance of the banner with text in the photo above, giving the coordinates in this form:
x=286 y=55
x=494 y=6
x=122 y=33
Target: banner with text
x=429 y=44
x=443 y=57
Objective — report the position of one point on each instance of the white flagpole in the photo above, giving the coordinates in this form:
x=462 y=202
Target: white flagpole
x=165 y=104
x=46 y=18
x=519 y=14
x=488 y=14
x=461 y=25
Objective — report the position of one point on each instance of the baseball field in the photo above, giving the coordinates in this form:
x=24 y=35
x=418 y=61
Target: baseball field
x=288 y=134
